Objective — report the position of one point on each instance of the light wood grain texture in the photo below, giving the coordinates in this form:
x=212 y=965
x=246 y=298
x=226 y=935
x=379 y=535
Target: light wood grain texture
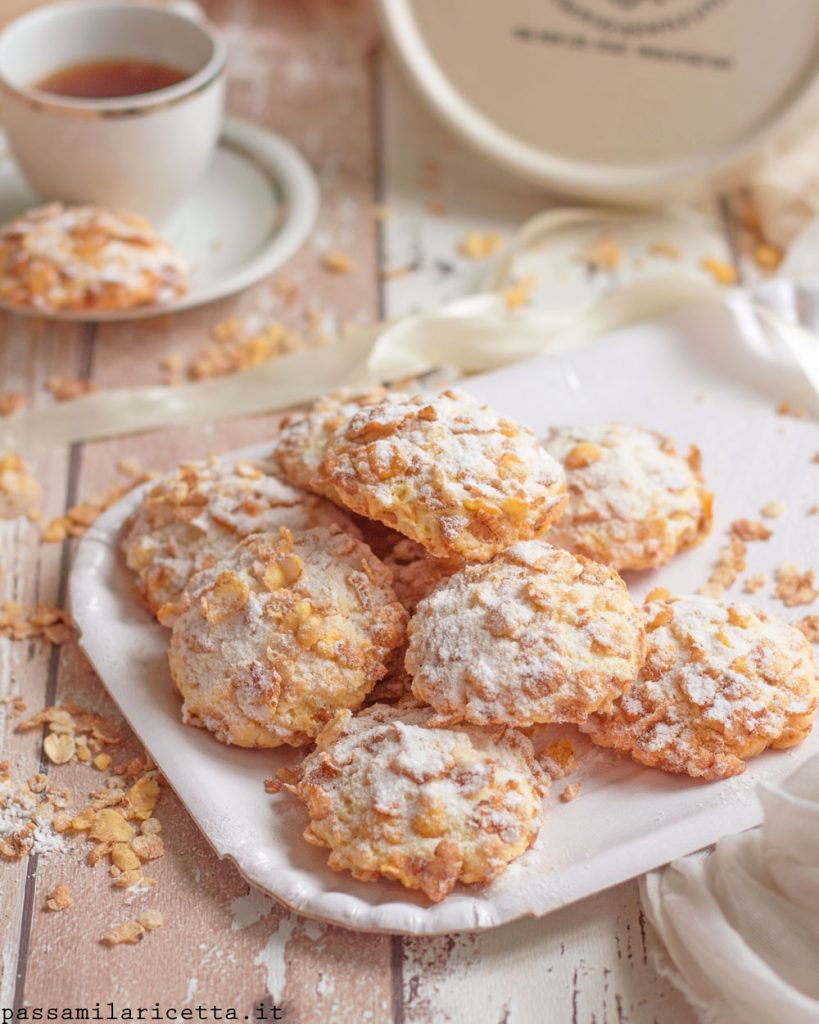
x=312 y=70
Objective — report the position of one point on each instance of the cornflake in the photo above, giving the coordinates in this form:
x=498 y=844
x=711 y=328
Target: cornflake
x=78 y=518
x=128 y=933
x=59 y=898
x=479 y=245
x=732 y=561
x=571 y=792
x=773 y=509
x=558 y=759
x=794 y=586
x=723 y=273
x=43 y=620
x=11 y=402
x=19 y=492
x=809 y=625
x=519 y=292
x=750 y=530
x=64 y=389
x=665 y=249
x=602 y=254
x=337 y=262
x=754 y=583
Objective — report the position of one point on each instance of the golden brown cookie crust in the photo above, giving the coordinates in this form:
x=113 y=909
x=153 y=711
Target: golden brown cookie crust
x=393 y=797
x=189 y=518
x=536 y=635
x=634 y=502
x=281 y=633
x=721 y=683
x=87 y=258
x=451 y=474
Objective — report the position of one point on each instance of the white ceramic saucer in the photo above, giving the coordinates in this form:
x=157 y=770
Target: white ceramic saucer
x=252 y=210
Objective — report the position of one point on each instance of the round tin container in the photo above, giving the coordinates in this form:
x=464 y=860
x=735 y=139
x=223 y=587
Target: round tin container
x=617 y=100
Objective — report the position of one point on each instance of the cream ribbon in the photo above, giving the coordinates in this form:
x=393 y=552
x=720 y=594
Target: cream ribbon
x=472 y=334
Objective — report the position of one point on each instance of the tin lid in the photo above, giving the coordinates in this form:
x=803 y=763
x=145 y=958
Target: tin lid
x=624 y=100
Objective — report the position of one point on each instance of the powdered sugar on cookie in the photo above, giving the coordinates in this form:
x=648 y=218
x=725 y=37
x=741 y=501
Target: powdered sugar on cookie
x=721 y=682
x=633 y=501
x=536 y=635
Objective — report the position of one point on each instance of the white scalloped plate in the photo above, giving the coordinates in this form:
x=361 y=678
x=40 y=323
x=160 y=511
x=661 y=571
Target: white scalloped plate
x=695 y=376
x=253 y=208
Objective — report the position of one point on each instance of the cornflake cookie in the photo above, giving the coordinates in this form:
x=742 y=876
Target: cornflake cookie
x=86 y=258
x=536 y=635
x=721 y=682
x=304 y=437
x=392 y=797
x=633 y=501
x=193 y=516
x=445 y=471
x=282 y=632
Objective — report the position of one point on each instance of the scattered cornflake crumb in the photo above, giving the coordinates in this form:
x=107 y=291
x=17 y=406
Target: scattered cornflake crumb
x=128 y=933
x=666 y=249
x=767 y=257
x=786 y=409
x=240 y=344
x=64 y=389
x=750 y=530
x=150 y=920
x=337 y=262
x=394 y=273
x=558 y=758
x=172 y=362
x=519 y=292
x=287 y=290
x=59 y=898
x=813 y=510
x=815 y=457
x=43 y=620
x=602 y=254
x=773 y=509
x=809 y=625
x=59 y=748
x=19 y=492
x=795 y=586
x=79 y=517
x=11 y=402
x=478 y=245
x=102 y=762
x=571 y=792
x=722 y=272
x=754 y=583
x=732 y=561
x=130 y=467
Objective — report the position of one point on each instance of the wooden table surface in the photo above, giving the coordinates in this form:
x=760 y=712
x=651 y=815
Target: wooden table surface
x=316 y=71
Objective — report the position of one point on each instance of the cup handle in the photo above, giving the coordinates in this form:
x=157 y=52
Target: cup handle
x=187 y=8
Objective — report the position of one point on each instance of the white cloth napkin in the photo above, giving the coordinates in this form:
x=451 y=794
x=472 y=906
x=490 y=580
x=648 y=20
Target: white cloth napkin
x=740 y=924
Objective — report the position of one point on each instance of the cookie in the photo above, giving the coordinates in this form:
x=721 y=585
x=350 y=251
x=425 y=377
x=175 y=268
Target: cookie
x=304 y=436
x=536 y=635
x=188 y=519
x=87 y=258
x=281 y=633
x=451 y=474
x=391 y=797
x=634 y=502
x=721 y=682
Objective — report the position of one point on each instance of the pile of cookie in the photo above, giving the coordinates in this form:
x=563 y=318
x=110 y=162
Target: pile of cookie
x=411 y=583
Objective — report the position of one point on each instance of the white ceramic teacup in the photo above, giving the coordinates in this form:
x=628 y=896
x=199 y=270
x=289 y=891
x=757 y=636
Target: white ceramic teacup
x=141 y=153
